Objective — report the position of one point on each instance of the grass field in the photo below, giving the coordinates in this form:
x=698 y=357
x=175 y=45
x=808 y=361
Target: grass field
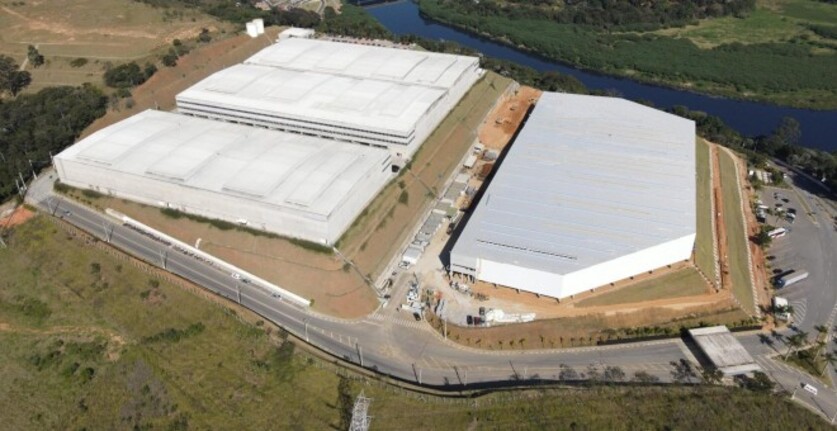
x=101 y=31
x=772 y=21
x=736 y=236
x=685 y=282
x=89 y=341
x=705 y=239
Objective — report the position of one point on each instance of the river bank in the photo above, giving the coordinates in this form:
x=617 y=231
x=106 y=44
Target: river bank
x=780 y=72
x=750 y=118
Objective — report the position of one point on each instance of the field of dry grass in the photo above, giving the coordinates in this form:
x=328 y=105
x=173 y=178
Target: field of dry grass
x=101 y=31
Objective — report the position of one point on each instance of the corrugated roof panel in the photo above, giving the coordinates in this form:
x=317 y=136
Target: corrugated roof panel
x=587 y=180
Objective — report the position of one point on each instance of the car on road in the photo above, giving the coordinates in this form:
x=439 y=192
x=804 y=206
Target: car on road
x=276 y=295
x=236 y=276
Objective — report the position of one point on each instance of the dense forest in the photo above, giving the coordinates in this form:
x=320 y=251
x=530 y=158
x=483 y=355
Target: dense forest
x=34 y=125
x=613 y=14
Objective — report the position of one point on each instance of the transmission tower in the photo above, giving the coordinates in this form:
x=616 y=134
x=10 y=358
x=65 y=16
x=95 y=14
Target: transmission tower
x=360 y=418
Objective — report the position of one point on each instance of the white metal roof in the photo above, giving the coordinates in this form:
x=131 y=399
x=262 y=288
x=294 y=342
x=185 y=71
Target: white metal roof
x=366 y=61
x=587 y=180
x=322 y=98
x=282 y=169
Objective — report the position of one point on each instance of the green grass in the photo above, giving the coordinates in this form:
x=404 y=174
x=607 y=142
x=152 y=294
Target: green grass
x=685 y=282
x=704 y=240
x=737 y=240
x=95 y=360
x=760 y=26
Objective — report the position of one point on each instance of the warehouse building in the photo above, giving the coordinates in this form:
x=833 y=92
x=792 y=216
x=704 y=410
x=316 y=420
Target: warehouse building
x=293 y=185
x=592 y=191
x=384 y=97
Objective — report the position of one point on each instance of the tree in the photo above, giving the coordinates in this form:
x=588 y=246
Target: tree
x=758 y=383
x=35 y=57
x=18 y=81
x=794 y=342
x=204 y=36
x=12 y=79
x=712 y=375
x=125 y=76
x=170 y=59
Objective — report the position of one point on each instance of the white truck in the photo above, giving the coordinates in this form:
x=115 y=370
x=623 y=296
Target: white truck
x=781 y=309
x=791 y=278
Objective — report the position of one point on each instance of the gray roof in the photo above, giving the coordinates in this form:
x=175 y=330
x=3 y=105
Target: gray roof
x=277 y=168
x=587 y=180
x=724 y=350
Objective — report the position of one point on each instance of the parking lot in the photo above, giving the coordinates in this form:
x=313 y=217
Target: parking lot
x=809 y=246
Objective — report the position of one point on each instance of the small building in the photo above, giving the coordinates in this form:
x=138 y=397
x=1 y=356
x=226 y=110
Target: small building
x=411 y=255
x=724 y=351
x=303 y=33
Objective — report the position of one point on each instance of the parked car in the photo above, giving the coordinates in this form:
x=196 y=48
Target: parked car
x=469 y=319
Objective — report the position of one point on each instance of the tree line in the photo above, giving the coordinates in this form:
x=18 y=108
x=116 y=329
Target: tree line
x=621 y=15
x=34 y=125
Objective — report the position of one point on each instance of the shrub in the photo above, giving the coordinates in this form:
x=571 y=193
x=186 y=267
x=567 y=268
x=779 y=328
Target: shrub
x=78 y=62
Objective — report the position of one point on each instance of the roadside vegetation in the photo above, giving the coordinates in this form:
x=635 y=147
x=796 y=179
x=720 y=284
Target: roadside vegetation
x=91 y=341
x=35 y=125
x=783 y=51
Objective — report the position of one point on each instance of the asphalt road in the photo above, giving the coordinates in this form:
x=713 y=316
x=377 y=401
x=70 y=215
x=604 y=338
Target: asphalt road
x=394 y=344
x=388 y=343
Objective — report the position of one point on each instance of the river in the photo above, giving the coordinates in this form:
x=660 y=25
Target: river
x=819 y=128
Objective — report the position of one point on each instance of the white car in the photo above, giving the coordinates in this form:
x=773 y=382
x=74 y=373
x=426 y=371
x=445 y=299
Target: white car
x=236 y=276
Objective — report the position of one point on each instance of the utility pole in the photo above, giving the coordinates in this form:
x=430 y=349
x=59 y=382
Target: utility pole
x=163 y=254
x=359 y=353
x=305 y=321
x=360 y=414
x=32 y=167
x=238 y=291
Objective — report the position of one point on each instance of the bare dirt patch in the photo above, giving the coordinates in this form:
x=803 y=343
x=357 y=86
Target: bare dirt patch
x=504 y=120
x=17 y=216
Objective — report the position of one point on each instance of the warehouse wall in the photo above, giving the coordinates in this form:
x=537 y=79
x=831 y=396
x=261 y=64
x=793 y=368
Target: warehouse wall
x=259 y=215
x=562 y=286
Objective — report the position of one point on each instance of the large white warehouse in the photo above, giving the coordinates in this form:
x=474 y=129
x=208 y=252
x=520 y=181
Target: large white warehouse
x=293 y=185
x=592 y=191
x=385 y=97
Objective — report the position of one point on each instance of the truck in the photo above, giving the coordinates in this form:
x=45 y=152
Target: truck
x=791 y=279
x=777 y=233
x=781 y=308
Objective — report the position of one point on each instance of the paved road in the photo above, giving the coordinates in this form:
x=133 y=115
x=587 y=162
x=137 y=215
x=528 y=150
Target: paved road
x=394 y=344
x=391 y=343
